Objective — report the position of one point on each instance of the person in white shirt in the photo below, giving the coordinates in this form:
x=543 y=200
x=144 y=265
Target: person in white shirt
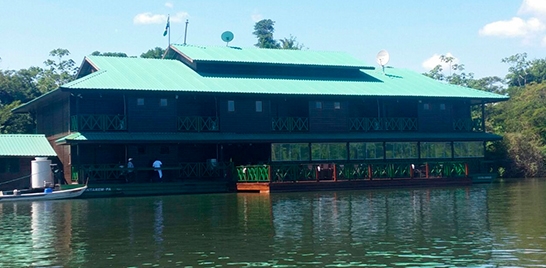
x=157 y=166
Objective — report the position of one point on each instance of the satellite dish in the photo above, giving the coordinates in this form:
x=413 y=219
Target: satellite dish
x=383 y=58
x=227 y=36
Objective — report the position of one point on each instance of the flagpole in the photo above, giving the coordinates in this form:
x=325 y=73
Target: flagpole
x=169 y=34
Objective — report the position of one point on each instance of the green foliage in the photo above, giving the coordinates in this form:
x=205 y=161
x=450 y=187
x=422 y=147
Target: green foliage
x=264 y=30
x=155 y=53
x=58 y=72
x=109 y=54
x=290 y=43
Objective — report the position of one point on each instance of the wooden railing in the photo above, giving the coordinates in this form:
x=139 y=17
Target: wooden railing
x=350 y=171
x=98 y=122
x=290 y=124
x=118 y=173
x=368 y=124
x=198 y=124
x=469 y=125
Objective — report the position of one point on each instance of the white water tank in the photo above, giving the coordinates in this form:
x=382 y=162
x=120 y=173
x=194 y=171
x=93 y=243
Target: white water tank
x=41 y=176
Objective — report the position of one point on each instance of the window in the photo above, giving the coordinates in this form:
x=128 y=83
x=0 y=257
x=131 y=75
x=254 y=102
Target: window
x=162 y=102
x=426 y=106
x=231 y=106
x=442 y=106
x=258 y=106
x=290 y=152
x=140 y=101
x=366 y=150
x=337 y=105
x=468 y=149
x=400 y=150
x=328 y=151
x=318 y=104
x=9 y=165
x=435 y=150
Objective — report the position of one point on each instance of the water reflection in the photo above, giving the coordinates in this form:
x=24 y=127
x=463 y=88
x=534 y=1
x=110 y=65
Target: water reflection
x=492 y=225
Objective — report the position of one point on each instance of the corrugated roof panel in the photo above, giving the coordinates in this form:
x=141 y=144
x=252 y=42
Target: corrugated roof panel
x=25 y=145
x=270 y=56
x=172 y=75
x=138 y=74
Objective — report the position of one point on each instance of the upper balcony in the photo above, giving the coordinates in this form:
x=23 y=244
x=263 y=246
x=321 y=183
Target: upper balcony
x=98 y=122
x=104 y=122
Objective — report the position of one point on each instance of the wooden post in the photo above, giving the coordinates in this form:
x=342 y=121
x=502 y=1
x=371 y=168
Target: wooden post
x=466 y=170
x=269 y=173
x=426 y=170
x=411 y=171
x=335 y=173
x=370 y=176
x=317 y=171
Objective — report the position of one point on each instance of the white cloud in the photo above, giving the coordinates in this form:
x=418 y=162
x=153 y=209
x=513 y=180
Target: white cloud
x=535 y=7
x=256 y=16
x=433 y=61
x=149 y=18
x=516 y=27
x=169 y=4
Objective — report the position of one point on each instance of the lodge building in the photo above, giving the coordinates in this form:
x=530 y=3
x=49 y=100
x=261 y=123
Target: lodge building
x=249 y=115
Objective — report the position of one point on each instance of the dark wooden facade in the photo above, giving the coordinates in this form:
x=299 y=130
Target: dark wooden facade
x=188 y=130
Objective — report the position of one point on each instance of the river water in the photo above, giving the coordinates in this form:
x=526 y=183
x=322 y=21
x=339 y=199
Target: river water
x=495 y=225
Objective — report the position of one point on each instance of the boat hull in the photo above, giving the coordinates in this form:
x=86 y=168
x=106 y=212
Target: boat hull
x=97 y=190
x=40 y=196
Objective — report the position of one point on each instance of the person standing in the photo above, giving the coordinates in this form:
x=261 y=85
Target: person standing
x=130 y=170
x=157 y=167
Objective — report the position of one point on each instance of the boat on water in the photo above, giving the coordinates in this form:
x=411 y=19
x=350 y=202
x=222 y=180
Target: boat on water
x=46 y=194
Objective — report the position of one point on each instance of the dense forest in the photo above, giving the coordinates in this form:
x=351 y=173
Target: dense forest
x=521 y=120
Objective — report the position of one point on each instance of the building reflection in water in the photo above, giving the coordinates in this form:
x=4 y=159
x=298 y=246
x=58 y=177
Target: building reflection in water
x=393 y=224
x=38 y=234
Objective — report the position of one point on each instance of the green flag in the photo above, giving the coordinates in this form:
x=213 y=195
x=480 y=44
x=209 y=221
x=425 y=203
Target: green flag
x=167 y=26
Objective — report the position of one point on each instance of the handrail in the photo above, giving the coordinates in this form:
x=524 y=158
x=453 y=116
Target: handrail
x=290 y=124
x=98 y=122
x=372 y=124
x=198 y=124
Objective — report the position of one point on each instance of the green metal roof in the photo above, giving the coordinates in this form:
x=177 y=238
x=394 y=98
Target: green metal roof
x=269 y=56
x=147 y=137
x=171 y=75
x=25 y=145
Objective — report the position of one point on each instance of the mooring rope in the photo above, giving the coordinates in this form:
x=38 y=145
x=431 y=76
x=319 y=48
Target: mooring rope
x=20 y=178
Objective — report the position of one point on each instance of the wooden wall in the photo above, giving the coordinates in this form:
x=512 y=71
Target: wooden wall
x=327 y=118
x=435 y=116
x=21 y=177
x=151 y=116
x=245 y=118
x=54 y=118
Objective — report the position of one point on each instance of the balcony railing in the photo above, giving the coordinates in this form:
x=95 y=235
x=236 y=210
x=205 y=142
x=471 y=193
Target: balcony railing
x=367 y=124
x=98 y=122
x=469 y=125
x=290 y=124
x=198 y=124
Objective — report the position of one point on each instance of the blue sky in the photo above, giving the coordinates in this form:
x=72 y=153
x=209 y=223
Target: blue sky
x=478 y=33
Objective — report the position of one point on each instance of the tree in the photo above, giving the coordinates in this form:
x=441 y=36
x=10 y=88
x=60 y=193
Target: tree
x=109 y=54
x=264 y=31
x=290 y=43
x=518 y=75
x=155 y=53
x=59 y=72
